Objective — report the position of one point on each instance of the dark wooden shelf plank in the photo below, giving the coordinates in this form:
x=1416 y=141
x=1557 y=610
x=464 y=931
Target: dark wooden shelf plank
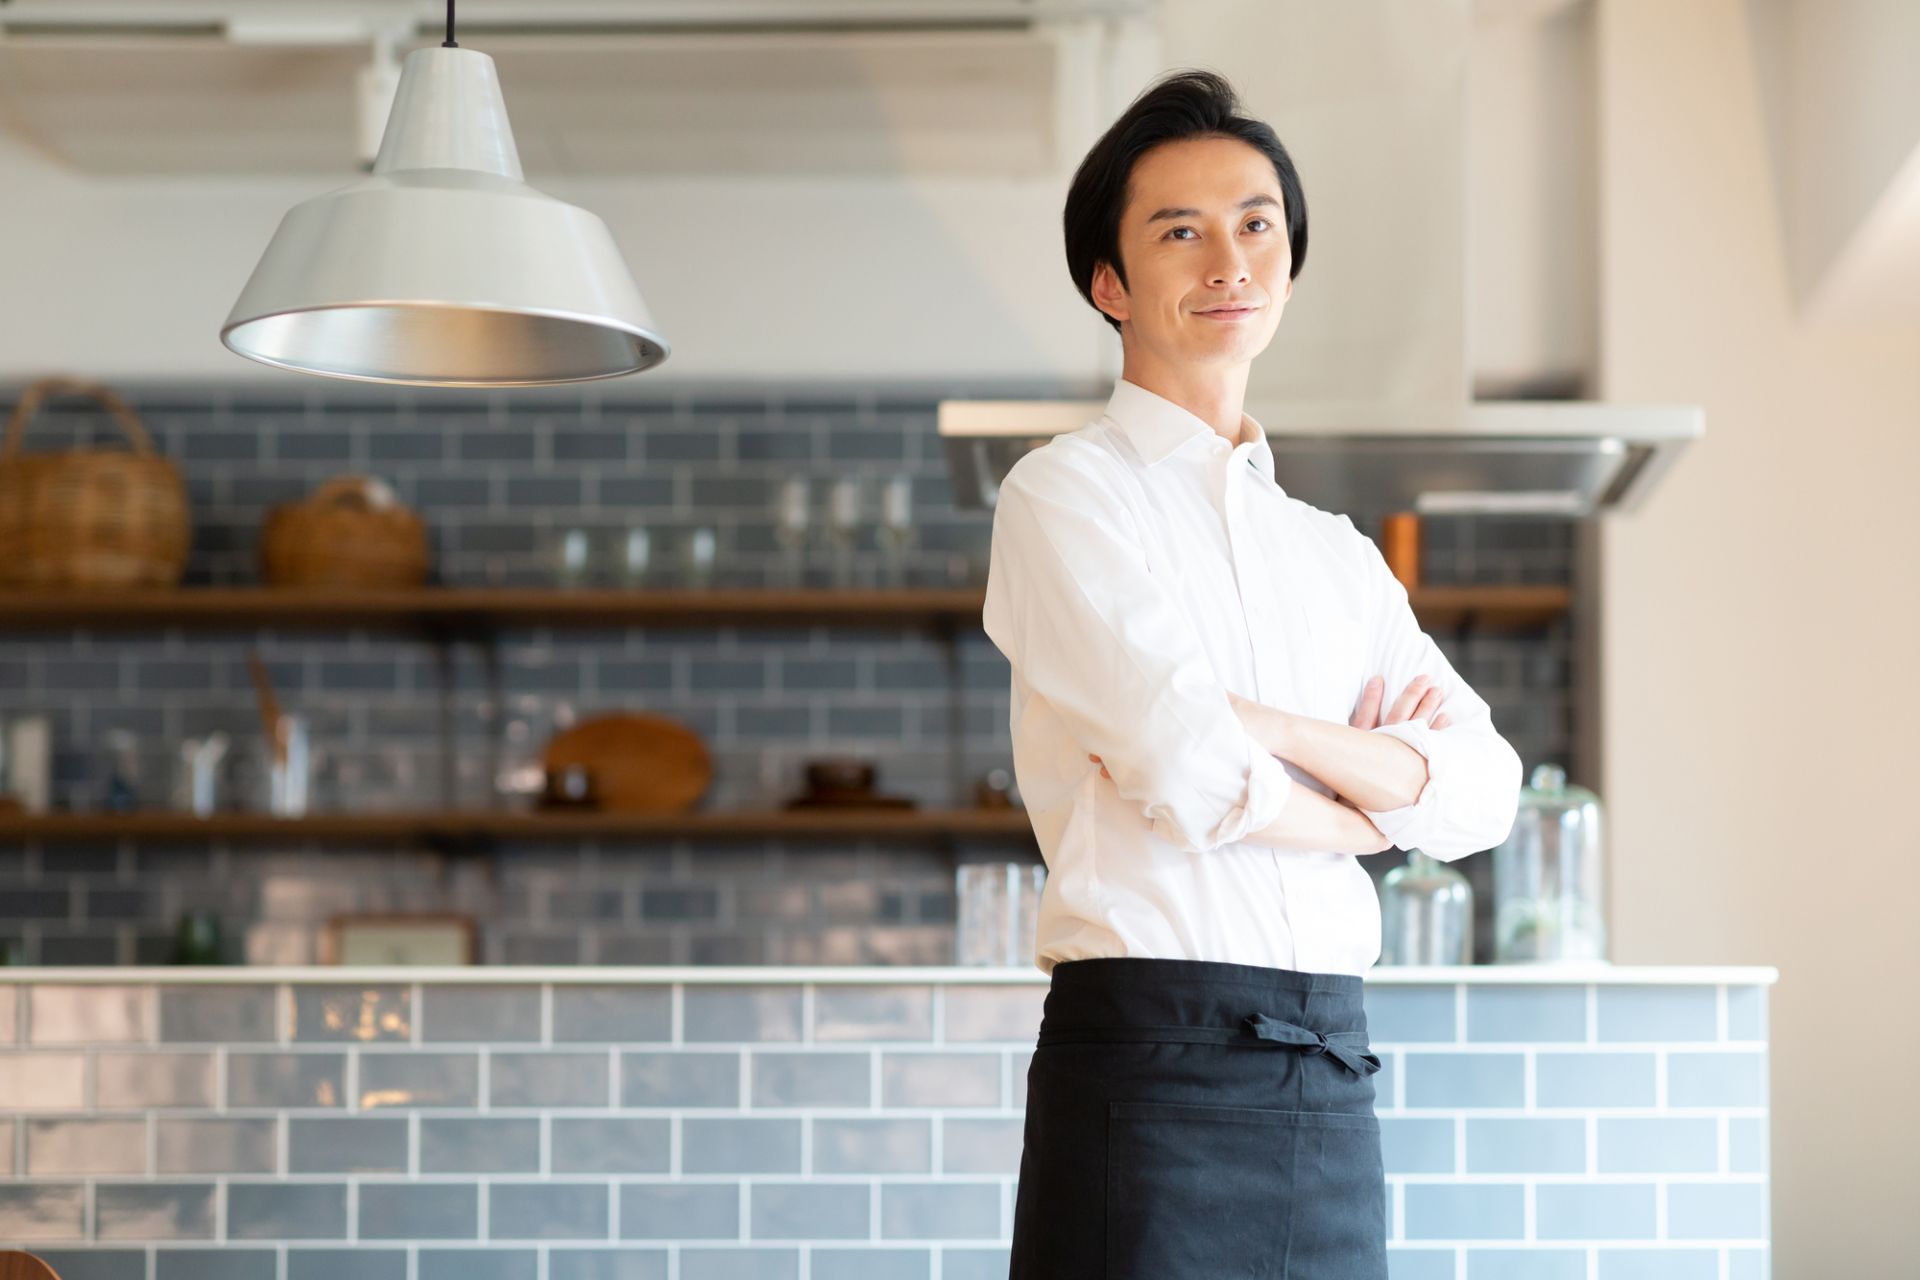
x=1493 y=607
x=475 y=606
x=915 y=823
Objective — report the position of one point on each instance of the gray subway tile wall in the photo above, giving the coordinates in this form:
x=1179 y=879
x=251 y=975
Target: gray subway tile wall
x=1506 y=1154
x=495 y=475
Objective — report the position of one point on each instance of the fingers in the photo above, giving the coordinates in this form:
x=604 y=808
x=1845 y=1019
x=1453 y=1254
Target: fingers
x=1404 y=704
x=1367 y=714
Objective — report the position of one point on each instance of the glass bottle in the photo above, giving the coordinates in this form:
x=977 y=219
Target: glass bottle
x=1547 y=876
x=1426 y=914
x=197 y=939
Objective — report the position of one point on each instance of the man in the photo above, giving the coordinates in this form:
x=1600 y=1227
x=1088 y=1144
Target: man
x=1199 y=666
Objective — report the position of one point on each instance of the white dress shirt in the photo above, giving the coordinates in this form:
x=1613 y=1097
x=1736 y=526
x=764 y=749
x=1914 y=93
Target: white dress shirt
x=1141 y=566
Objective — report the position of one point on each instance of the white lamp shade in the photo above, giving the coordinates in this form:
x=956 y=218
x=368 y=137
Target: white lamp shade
x=442 y=267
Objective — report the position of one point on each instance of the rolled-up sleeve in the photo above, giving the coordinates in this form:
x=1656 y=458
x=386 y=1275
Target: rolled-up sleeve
x=1072 y=605
x=1472 y=792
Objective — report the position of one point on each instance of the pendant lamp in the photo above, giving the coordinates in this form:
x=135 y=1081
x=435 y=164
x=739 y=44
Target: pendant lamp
x=442 y=267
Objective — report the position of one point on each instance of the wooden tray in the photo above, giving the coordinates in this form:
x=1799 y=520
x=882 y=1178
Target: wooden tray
x=641 y=763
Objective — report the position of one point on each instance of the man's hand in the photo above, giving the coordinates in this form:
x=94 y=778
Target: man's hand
x=1419 y=698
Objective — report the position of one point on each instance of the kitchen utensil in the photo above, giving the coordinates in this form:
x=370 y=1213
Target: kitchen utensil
x=352 y=531
x=290 y=772
x=1426 y=913
x=89 y=517
x=269 y=706
x=640 y=763
x=1548 y=877
x=289 y=762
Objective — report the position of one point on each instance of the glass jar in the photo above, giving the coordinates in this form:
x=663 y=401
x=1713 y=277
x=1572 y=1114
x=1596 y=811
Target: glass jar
x=1426 y=913
x=997 y=908
x=1547 y=876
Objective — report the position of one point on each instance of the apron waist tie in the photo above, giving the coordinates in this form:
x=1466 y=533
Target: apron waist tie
x=1293 y=1034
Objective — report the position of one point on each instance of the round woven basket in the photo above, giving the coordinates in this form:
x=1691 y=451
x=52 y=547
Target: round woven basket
x=351 y=532
x=89 y=517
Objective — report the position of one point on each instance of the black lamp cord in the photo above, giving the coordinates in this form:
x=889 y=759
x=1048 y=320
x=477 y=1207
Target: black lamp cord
x=449 y=42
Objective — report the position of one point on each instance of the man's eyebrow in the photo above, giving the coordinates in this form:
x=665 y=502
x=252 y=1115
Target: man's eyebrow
x=1251 y=202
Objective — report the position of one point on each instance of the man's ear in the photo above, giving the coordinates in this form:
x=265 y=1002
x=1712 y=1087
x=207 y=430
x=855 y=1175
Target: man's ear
x=1108 y=293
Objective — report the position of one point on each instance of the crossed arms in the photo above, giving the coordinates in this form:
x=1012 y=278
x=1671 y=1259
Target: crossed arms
x=1351 y=761
x=1072 y=605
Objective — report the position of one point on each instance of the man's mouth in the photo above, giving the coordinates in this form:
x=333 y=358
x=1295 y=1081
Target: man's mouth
x=1227 y=313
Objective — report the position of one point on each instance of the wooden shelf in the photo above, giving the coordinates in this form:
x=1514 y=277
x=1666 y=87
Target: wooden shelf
x=479 y=607
x=1491 y=607
x=480 y=825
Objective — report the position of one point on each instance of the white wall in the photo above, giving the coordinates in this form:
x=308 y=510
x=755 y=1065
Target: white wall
x=130 y=277
x=1759 y=627
x=1842 y=106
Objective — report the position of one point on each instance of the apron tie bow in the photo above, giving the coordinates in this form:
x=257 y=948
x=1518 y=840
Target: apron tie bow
x=1292 y=1033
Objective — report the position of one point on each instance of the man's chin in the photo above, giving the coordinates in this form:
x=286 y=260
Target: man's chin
x=1228 y=348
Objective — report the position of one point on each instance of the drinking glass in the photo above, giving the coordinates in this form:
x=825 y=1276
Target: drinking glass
x=697 y=557
x=896 y=531
x=636 y=556
x=843 y=526
x=790 y=528
x=997 y=907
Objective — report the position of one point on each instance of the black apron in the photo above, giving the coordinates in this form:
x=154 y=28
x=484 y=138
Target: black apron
x=1196 y=1120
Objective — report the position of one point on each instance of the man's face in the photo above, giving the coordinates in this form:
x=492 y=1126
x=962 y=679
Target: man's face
x=1203 y=226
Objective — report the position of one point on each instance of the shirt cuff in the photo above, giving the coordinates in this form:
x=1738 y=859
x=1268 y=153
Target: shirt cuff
x=1268 y=786
x=1402 y=825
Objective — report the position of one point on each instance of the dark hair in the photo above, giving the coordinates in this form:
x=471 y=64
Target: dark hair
x=1186 y=104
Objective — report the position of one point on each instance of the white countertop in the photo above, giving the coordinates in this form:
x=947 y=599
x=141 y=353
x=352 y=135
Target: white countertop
x=883 y=975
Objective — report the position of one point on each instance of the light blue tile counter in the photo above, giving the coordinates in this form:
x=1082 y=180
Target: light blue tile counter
x=827 y=1123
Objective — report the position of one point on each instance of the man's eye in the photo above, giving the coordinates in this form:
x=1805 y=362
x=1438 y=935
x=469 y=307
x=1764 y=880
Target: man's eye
x=1259 y=220
x=1178 y=229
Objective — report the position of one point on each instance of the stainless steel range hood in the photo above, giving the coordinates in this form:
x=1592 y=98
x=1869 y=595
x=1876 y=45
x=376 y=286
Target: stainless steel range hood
x=1558 y=458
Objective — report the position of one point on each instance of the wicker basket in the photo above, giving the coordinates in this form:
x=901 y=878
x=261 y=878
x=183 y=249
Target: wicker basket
x=351 y=532
x=89 y=517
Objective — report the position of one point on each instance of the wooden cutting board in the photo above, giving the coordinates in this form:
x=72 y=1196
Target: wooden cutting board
x=641 y=763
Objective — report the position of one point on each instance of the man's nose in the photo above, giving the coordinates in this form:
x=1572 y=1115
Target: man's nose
x=1230 y=270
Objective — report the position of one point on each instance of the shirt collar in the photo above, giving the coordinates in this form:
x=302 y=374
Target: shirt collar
x=1157 y=427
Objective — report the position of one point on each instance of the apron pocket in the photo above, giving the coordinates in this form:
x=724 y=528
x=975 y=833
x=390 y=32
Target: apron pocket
x=1243 y=1192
